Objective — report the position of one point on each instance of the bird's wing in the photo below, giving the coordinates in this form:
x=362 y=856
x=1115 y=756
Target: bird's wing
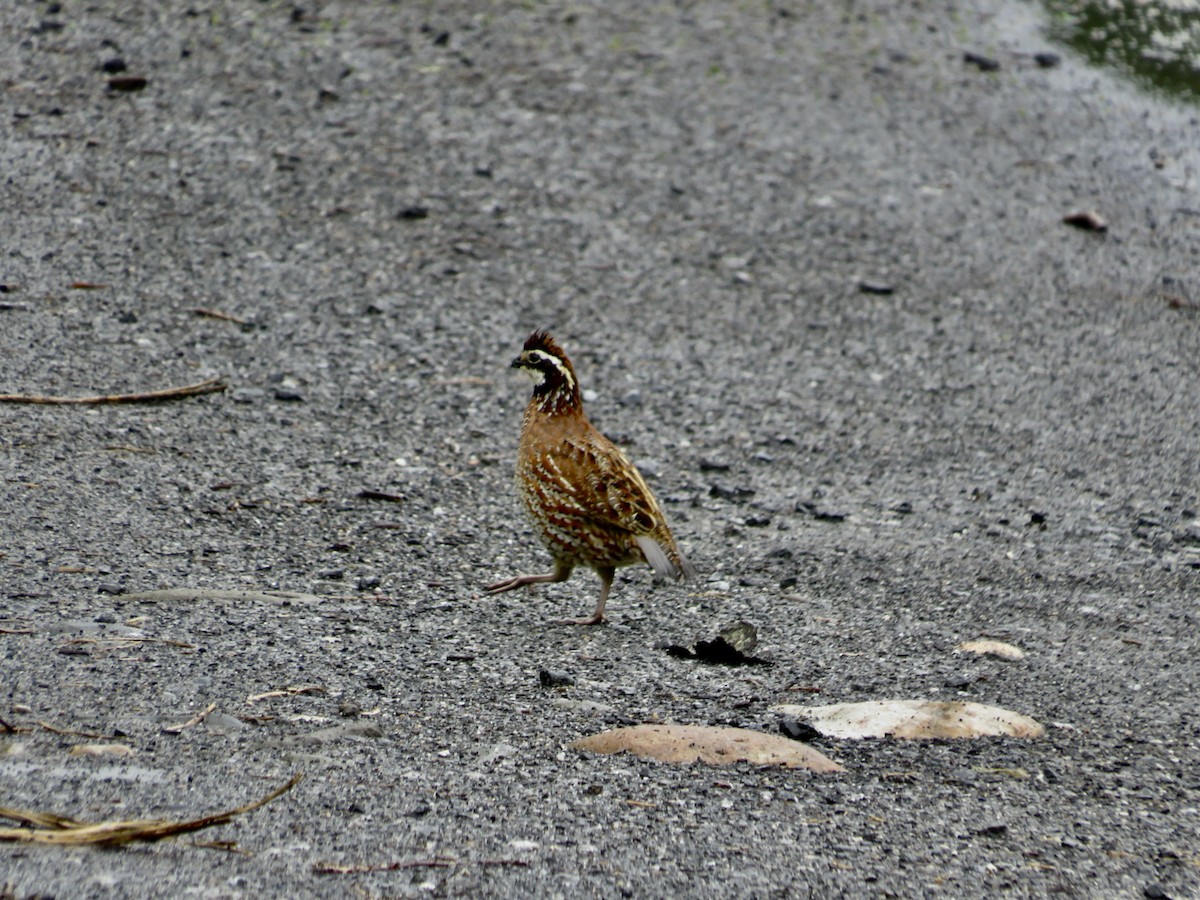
x=606 y=486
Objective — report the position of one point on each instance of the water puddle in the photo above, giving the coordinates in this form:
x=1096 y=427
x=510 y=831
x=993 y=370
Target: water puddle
x=1156 y=43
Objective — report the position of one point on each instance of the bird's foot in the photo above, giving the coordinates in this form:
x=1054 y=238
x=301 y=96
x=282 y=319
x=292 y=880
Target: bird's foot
x=593 y=619
x=508 y=584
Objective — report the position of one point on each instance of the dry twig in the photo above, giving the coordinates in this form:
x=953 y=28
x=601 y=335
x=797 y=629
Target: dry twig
x=369 y=494
x=208 y=386
x=117 y=639
x=287 y=692
x=68 y=731
x=48 y=828
x=194 y=720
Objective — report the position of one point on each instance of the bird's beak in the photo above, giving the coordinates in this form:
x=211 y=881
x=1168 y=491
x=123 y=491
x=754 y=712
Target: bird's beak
x=518 y=363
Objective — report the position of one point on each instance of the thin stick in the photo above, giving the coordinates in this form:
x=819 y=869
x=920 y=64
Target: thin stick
x=369 y=494
x=194 y=720
x=17 y=631
x=208 y=386
x=120 y=832
x=287 y=692
x=131 y=640
x=67 y=731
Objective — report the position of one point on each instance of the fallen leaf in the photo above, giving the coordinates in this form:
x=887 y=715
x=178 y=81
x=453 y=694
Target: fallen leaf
x=999 y=649
x=914 y=719
x=716 y=746
x=730 y=647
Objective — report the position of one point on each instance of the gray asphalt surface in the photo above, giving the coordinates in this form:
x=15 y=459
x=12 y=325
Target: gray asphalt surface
x=390 y=197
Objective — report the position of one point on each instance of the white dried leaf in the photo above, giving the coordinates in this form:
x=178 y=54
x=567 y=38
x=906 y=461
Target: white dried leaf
x=914 y=719
x=998 y=649
x=102 y=750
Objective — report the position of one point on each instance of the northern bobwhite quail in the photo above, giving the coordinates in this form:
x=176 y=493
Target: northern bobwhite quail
x=589 y=503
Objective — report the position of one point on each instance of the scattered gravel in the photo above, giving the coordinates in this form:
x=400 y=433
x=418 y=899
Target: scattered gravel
x=807 y=262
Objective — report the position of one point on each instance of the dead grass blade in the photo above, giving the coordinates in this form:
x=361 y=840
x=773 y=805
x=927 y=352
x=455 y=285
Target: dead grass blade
x=207 y=386
x=194 y=720
x=52 y=829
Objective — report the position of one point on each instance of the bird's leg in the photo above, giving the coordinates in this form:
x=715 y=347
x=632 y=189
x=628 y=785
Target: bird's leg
x=606 y=579
x=561 y=572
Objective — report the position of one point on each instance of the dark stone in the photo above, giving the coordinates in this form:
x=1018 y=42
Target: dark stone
x=413 y=212
x=875 y=287
x=799 y=731
x=730 y=492
x=127 y=83
x=981 y=62
x=550 y=679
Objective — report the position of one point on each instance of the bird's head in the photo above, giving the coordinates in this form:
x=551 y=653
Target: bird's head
x=554 y=382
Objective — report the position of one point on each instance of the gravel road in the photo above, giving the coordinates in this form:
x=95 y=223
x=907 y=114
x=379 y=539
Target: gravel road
x=811 y=266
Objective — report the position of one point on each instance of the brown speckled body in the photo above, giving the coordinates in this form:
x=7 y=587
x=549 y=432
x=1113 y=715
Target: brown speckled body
x=588 y=502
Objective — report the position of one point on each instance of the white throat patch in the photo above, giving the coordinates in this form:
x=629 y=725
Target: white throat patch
x=539 y=378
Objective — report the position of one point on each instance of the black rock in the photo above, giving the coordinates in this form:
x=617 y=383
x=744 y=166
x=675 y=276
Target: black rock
x=981 y=62
x=730 y=492
x=1046 y=59
x=550 y=679
x=799 y=731
x=821 y=515
x=113 y=66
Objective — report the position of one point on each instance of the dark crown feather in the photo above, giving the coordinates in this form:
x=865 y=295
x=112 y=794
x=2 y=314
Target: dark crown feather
x=541 y=340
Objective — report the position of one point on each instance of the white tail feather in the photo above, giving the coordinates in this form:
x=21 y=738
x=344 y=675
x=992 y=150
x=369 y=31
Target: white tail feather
x=657 y=557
